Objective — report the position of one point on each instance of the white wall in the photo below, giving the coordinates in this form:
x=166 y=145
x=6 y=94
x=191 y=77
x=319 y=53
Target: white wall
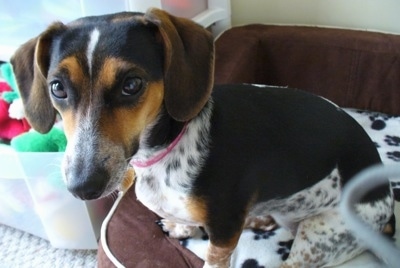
x=378 y=15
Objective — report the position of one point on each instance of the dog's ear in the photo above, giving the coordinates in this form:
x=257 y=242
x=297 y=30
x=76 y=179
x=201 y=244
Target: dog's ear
x=31 y=64
x=188 y=63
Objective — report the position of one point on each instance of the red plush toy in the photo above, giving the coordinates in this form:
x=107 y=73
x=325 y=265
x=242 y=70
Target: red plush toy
x=9 y=127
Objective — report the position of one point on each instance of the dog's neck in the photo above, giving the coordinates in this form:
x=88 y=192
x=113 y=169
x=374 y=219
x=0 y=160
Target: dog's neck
x=160 y=155
x=166 y=133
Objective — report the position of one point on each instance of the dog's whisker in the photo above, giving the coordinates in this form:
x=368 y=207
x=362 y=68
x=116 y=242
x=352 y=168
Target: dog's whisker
x=113 y=196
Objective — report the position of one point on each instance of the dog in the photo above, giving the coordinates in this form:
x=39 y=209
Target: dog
x=137 y=90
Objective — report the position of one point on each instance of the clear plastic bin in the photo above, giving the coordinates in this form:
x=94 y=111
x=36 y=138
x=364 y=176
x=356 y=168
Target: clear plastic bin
x=35 y=199
x=21 y=20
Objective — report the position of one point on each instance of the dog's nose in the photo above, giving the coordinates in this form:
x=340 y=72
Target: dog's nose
x=87 y=194
x=90 y=186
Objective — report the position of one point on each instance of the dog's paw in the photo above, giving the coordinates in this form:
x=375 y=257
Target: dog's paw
x=207 y=265
x=176 y=230
x=264 y=223
x=219 y=265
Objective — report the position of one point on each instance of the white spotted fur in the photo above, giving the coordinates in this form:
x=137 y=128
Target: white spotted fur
x=169 y=200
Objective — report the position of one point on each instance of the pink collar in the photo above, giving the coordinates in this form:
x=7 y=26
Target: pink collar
x=160 y=155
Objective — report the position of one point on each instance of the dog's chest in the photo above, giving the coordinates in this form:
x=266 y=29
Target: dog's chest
x=155 y=191
x=165 y=186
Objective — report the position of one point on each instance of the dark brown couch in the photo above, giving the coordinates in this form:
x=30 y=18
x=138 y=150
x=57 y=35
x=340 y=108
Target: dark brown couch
x=356 y=69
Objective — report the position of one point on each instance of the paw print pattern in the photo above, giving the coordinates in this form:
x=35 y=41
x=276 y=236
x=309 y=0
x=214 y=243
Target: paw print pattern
x=395 y=155
x=395 y=184
x=396 y=189
x=184 y=242
x=378 y=124
x=201 y=234
x=260 y=234
x=392 y=140
x=284 y=249
x=251 y=263
x=378 y=121
x=204 y=235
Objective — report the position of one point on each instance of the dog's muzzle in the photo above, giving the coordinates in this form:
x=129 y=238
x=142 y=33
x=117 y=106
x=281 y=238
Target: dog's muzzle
x=83 y=180
x=88 y=187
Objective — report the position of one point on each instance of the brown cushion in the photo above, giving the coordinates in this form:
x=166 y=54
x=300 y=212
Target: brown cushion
x=356 y=69
x=137 y=241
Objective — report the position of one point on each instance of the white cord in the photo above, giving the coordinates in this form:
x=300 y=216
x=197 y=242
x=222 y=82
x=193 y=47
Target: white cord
x=123 y=188
x=103 y=232
x=352 y=194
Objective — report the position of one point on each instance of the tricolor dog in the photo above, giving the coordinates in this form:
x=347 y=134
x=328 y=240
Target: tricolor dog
x=137 y=89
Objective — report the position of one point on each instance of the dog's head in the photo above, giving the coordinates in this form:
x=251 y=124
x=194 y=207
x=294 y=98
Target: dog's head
x=109 y=77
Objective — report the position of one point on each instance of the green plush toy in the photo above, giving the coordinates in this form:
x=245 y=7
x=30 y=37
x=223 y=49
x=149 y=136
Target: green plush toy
x=33 y=141
x=30 y=141
x=8 y=75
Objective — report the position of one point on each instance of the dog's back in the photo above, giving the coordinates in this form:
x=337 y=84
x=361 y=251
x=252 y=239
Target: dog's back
x=284 y=139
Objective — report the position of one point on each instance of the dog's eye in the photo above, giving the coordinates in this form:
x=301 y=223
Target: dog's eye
x=132 y=86
x=57 y=89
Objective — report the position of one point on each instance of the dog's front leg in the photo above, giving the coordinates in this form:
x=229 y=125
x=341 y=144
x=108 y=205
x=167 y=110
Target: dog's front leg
x=219 y=251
